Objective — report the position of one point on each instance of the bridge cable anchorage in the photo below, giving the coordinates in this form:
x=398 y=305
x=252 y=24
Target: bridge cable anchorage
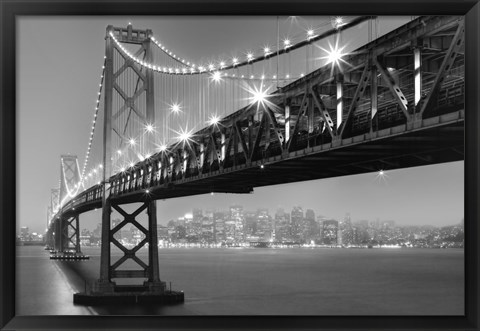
x=250 y=58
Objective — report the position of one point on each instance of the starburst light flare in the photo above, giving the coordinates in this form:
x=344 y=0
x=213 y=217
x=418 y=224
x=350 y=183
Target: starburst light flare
x=334 y=55
x=337 y=22
x=381 y=176
x=162 y=147
x=149 y=128
x=214 y=120
x=184 y=135
x=175 y=108
x=216 y=76
x=258 y=94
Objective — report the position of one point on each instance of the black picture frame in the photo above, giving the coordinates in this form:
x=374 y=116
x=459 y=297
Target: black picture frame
x=10 y=10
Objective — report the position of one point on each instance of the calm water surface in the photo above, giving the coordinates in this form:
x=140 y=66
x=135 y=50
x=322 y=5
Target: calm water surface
x=296 y=281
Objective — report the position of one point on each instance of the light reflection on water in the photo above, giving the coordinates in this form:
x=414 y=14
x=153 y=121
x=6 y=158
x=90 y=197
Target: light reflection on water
x=293 y=281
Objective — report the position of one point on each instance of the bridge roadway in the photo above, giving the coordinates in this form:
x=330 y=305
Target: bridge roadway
x=250 y=148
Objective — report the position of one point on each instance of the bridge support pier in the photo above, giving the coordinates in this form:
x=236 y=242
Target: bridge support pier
x=152 y=289
x=67 y=239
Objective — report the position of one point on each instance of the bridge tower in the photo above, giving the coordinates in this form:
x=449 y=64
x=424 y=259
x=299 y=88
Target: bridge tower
x=129 y=95
x=66 y=227
x=51 y=211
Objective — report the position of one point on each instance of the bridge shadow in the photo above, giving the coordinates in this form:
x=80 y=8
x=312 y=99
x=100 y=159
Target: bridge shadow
x=81 y=275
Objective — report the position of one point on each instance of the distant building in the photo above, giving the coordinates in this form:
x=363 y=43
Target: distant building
x=310 y=228
x=24 y=233
x=264 y=225
x=296 y=222
x=282 y=226
x=162 y=232
x=237 y=220
x=330 y=232
x=346 y=236
x=219 y=227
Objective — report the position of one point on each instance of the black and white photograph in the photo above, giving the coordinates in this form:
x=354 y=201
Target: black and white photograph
x=240 y=165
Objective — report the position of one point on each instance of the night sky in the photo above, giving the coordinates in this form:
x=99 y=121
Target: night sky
x=58 y=70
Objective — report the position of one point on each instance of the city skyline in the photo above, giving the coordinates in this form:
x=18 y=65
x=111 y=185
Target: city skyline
x=434 y=192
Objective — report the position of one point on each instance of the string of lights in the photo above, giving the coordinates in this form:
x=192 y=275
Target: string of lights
x=170 y=54
x=92 y=131
x=250 y=57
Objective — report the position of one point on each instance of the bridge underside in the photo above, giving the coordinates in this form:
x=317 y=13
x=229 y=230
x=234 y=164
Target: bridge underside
x=362 y=154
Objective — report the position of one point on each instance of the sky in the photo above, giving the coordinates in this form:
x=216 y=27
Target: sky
x=59 y=63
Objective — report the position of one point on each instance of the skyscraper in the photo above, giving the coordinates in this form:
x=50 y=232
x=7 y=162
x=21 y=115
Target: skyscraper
x=238 y=221
x=346 y=231
x=330 y=232
x=282 y=226
x=296 y=221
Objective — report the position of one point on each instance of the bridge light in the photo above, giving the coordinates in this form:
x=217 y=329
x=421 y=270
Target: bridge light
x=163 y=148
x=147 y=191
x=175 y=108
x=149 y=128
x=266 y=50
x=119 y=152
x=334 y=54
x=286 y=43
x=234 y=61
x=216 y=76
x=381 y=173
x=249 y=57
x=337 y=22
x=310 y=33
x=184 y=136
x=214 y=120
x=259 y=95
x=131 y=142
x=132 y=164
x=222 y=64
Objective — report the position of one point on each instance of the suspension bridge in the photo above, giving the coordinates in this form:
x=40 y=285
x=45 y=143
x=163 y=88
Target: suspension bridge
x=299 y=110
